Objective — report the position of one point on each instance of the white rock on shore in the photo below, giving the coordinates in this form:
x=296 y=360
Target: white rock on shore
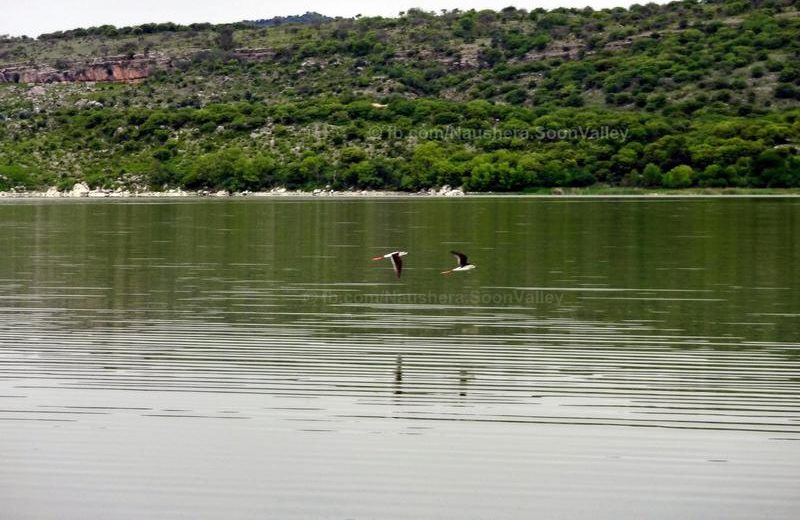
x=176 y=192
x=447 y=191
x=80 y=189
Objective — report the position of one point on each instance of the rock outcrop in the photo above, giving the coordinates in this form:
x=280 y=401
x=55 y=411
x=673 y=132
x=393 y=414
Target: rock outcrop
x=112 y=68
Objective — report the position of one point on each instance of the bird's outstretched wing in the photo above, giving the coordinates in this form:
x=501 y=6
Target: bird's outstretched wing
x=462 y=258
x=397 y=263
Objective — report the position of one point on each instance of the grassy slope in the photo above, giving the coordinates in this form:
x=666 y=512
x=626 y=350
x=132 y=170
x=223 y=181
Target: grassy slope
x=709 y=86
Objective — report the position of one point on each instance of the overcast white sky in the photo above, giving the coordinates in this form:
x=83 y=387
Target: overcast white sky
x=33 y=17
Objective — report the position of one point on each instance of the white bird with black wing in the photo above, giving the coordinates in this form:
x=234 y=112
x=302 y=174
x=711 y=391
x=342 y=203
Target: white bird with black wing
x=463 y=263
x=395 y=257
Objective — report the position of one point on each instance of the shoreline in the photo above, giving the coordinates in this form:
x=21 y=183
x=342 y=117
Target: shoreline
x=82 y=192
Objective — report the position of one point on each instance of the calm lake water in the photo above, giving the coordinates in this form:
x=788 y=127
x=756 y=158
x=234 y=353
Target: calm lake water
x=607 y=359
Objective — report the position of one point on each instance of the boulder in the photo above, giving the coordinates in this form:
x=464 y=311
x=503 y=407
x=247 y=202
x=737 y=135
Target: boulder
x=81 y=189
x=447 y=191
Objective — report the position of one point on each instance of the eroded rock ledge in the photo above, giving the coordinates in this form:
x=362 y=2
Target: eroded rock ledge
x=111 y=68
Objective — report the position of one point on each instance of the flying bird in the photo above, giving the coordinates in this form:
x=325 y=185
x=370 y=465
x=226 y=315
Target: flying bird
x=397 y=262
x=463 y=263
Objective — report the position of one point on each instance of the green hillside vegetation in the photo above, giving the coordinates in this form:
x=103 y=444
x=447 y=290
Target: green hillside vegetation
x=688 y=94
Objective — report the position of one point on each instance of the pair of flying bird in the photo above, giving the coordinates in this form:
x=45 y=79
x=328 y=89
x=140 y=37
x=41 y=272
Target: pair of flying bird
x=397 y=262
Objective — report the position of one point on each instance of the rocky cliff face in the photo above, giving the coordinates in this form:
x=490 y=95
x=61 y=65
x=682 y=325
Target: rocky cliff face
x=112 y=68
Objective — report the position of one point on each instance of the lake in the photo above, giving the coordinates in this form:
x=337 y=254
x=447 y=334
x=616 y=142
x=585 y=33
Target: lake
x=608 y=358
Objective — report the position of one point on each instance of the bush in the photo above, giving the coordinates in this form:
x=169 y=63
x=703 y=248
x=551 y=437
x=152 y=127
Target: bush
x=679 y=177
x=787 y=91
x=16 y=176
x=652 y=176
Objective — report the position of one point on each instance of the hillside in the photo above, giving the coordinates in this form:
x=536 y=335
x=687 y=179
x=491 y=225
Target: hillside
x=684 y=94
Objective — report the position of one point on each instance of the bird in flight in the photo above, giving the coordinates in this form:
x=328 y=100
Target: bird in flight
x=397 y=262
x=463 y=263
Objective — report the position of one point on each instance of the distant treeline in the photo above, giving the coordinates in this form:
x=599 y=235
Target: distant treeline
x=307 y=18
x=110 y=31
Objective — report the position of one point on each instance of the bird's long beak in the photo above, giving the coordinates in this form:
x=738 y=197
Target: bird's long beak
x=377 y=258
x=448 y=272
